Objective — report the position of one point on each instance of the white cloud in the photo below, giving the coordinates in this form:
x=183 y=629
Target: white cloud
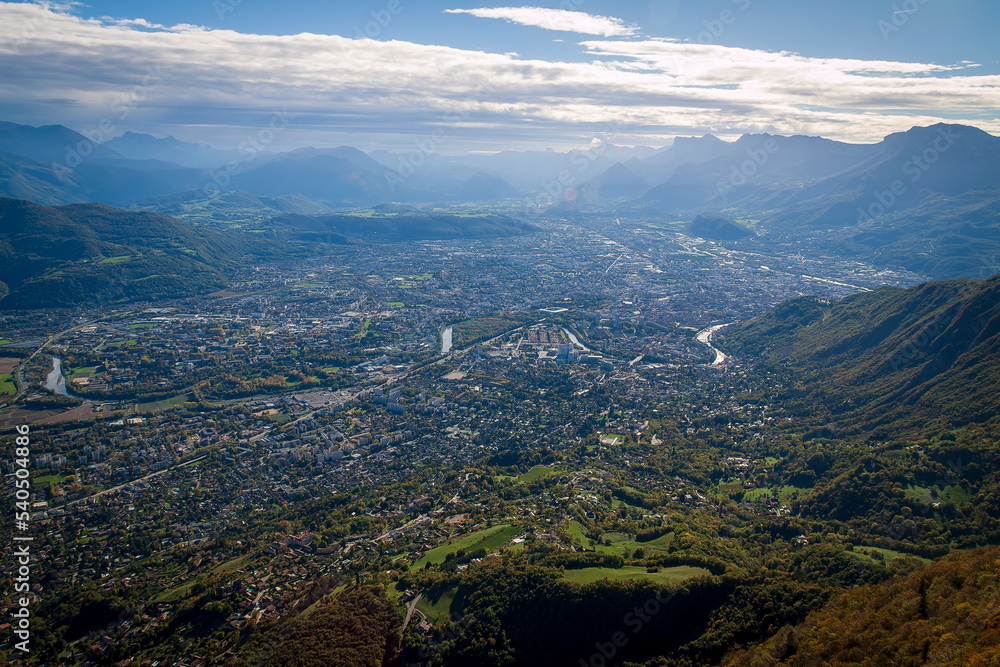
x=554 y=19
x=219 y=85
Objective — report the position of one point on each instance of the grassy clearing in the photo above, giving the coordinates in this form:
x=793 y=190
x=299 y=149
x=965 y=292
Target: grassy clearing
x=620 y=542
x=666 y=575
x=488 y=538
x=758 y=495
x=165 y=404
x=498 y=539
x=955 y=494
x=7 y=385
x=787 y=494
x=232 y=566
x=141 y=325
x=875 y=554
x=437 y=606
x=176 y=593
x=576 y=532
x=921 y=493
x=45 y=480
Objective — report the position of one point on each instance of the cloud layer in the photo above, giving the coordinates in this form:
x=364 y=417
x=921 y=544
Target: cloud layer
x=554 y=19
x=219 y=85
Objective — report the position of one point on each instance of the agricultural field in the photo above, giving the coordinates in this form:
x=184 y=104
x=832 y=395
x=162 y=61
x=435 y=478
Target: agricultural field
x=7 y=386
x=488 y=538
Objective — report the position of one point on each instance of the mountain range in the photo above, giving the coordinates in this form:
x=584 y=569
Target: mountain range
x=926 y=199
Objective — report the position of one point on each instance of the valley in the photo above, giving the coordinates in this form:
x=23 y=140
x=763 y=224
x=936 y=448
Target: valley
x=299 y=438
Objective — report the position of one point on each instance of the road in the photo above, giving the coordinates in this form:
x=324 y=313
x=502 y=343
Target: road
x=410 y=608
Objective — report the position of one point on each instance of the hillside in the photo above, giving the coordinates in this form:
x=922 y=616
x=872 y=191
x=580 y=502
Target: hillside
x=92 y=253
x=890 y=360
x=946 y=613
x=718 y=227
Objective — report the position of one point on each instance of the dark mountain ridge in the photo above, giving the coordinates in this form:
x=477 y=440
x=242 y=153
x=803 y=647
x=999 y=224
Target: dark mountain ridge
x=925 y=357
x=93 y=253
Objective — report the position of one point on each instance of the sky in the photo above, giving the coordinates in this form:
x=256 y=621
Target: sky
x=455 y=77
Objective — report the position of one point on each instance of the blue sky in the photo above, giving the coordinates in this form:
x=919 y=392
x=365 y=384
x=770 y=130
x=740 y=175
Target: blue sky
x=486 y=76
x=941 y=31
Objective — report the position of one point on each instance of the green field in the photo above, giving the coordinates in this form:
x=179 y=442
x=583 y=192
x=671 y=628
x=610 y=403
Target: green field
x=437 y=606
x=955 y=494
x=887 y=555
x=48 y=479
x=7 y=385
x=142 y=325
x=620 y=542
x=787 y=494
x=488 y=538
x=757 y=495
x=921 y=493
x=666 y=575
x=165 y=404
x=576 y=532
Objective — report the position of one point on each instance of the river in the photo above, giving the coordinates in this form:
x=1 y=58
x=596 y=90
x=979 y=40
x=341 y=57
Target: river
x=575 y=340
x=55 y=381
x=446 y=341
x=705 y=336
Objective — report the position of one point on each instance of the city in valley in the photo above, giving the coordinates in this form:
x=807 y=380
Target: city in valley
x=393 y=413
x=435 y=334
